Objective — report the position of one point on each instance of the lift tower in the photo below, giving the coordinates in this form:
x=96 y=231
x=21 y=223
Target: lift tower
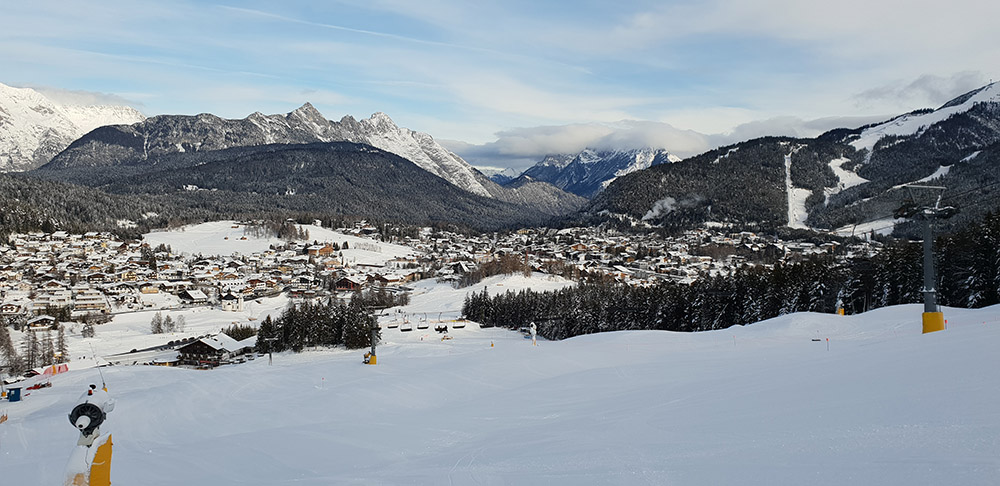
x=933 y=319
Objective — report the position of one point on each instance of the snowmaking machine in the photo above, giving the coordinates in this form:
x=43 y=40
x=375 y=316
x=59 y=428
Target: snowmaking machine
x=90 y=462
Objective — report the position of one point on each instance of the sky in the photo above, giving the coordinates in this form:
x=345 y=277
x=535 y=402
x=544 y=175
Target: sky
x=504 y=83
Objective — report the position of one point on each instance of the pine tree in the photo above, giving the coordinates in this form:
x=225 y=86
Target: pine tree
x=180 y=323
x=48 y=350
x=62 y=350
x=265 y=331
x=156 y=325
x=30 y=350
x=358 y=328
x=88 y=330
x=168 y=324
x=8 y=353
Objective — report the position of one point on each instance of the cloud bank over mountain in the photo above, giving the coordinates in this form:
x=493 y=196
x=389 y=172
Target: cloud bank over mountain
x=519 y=148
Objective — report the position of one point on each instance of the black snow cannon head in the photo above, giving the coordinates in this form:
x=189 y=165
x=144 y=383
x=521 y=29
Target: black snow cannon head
x=87 y=416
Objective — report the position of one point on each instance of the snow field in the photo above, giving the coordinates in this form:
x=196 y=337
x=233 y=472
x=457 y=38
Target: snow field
x=762 y=404
x=221 y=238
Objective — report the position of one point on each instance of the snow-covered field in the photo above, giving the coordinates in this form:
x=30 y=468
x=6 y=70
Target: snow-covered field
x=772 y=403
x=225 y=238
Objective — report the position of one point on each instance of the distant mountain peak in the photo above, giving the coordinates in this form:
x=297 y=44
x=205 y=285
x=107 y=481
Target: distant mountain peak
x=591 y=170
x=307 y=111
x=382 y=121
x=33 y=128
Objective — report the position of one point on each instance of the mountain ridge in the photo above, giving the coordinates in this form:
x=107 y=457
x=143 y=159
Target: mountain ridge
x=588 y=172
x=33 y=128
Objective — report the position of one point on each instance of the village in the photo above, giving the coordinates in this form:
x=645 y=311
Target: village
x=52 y=278
x=47 y=276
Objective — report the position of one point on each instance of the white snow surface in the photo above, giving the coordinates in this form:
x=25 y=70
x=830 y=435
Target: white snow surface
x=221 y=238
x=882 y=226
x=847 y=178
x=797 y=213
x=770 y=403
x=33 y=128
x=914 y=124
x=937 y=174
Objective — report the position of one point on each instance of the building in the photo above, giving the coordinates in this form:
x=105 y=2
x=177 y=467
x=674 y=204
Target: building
x=213 y=351
x=232 y=302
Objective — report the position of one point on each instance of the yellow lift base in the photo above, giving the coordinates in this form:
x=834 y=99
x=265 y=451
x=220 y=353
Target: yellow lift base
x=933 y=322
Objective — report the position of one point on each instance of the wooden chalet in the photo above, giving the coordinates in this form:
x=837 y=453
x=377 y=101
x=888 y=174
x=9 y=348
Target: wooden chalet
x=208 y=351
x=349 y=284
x=193 y=297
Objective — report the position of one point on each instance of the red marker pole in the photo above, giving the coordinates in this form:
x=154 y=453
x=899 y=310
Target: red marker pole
x=827 y=344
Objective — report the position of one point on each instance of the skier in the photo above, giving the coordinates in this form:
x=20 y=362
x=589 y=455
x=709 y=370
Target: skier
x=534 y=332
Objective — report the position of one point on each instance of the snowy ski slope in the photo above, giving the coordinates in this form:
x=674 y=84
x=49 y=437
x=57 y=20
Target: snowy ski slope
x=771 y=403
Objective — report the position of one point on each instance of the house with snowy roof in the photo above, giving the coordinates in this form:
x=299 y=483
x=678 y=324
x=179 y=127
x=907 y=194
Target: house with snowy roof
x=214 y=350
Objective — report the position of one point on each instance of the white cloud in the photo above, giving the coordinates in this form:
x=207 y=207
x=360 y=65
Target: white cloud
x=83 y=98
x=790 y=126
x=927 y=90
x=521 y=148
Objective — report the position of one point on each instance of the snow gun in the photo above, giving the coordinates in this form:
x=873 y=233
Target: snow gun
x=90 y=462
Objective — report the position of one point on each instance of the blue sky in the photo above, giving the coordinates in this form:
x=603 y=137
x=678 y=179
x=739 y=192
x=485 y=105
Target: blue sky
x=506 y=82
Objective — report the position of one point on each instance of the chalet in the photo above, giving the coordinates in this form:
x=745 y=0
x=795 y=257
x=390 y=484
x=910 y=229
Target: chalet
x=320 y=250
x=149 y=288
x=41 y=322
x=11 y=309
x=385 y=280
x=349 y=284
x=209 y=351
x=193 y=297
x=119 y=288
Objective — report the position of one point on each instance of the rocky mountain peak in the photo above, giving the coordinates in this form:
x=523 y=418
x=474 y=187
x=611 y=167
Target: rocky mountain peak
x=591 y=170
x=34 y=128
x=381 y=121
x=307 y=112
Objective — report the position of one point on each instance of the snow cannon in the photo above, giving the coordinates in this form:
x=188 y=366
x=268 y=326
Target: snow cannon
x=90 y=462
x=91 y=411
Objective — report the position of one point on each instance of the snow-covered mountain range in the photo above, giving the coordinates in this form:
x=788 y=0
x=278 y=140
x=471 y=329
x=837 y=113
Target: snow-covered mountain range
x=168 y=134
x=914 y=124
x=590 y=171
x=845 y=179
x=34 y=128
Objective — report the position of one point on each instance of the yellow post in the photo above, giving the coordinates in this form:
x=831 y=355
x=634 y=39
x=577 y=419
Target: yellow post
x=372 y=360
x=933 y=322
x=100 y=470
x=840 y=311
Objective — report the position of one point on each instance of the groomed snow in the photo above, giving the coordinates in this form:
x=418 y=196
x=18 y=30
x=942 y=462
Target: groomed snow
x=882 y=226
x=939 y=173
x=847 y=178
x=771 y=403
x=797 y=213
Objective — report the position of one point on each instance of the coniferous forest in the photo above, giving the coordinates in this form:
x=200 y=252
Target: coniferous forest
x=968 y=264
x=316 y=324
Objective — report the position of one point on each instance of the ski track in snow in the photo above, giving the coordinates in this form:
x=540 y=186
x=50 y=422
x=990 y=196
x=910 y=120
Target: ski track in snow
x=797 y=213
